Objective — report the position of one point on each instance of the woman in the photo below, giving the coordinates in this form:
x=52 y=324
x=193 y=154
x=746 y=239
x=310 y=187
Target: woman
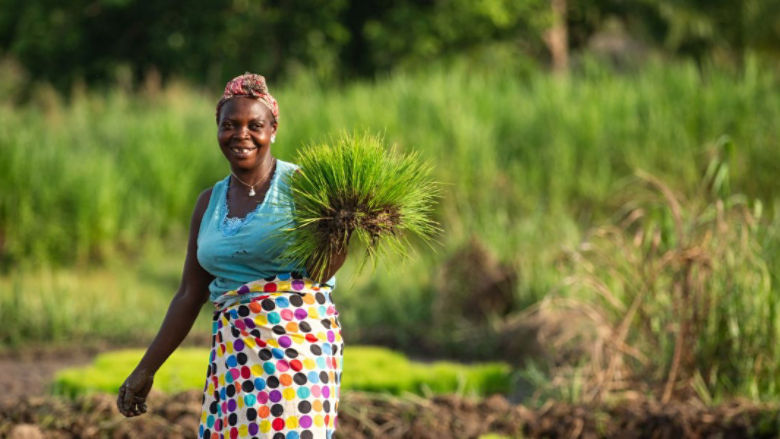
x=275 y=363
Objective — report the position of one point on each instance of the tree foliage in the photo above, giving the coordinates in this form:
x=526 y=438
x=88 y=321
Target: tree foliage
x=691 y=28
x=203 y=40
x=209 y=41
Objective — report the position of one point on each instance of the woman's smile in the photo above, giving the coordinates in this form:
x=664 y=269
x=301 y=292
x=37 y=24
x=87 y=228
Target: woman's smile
x=243 y=152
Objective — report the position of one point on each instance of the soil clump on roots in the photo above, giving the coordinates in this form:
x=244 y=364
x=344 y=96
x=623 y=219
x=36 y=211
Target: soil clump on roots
x=337 y=225
x=364 y=415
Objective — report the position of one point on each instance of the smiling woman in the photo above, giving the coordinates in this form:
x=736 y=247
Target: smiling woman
x=246 y=130
x=274 y=370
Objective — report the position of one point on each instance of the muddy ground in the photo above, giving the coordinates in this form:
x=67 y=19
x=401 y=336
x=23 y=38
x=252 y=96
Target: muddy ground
x=27 y=412
x=30 y=372
x=370 y=416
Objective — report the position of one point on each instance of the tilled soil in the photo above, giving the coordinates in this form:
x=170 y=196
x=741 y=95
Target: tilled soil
x=30 y=372
x=371 y=416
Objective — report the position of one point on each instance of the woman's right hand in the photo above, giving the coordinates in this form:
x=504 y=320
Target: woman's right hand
x=193 y=292
x=132 y=393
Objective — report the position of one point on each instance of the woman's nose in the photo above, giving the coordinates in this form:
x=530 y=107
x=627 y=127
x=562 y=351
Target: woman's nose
x=243 y=132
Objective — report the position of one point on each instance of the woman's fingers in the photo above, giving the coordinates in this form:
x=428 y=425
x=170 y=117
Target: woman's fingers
x=120 y=396
x=131 y=398
x=140 y=404
x=129 y=404
x=122 y=402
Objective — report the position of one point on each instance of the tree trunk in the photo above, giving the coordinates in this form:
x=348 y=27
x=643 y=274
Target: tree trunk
x=557 y=37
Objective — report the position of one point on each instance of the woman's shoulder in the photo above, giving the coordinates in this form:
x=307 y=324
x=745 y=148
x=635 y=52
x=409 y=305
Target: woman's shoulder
x=285 y=170
x=203 y=201
x=205 y=197
x=217 y=189
x=286 y=167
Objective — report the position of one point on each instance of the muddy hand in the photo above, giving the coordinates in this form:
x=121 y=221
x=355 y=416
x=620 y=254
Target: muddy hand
x=131 y=400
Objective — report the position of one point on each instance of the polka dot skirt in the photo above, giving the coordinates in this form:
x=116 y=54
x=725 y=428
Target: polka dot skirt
x=275 y=363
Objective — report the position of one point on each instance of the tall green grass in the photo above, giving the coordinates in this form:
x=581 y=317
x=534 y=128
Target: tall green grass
x=117 y=303
x=528 y=163
x=675 y=296
x=108 y=171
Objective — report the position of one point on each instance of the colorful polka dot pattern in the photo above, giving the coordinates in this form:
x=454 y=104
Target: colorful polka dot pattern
x=275 y=364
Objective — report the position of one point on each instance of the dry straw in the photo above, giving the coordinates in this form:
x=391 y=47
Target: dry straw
x=674 y=299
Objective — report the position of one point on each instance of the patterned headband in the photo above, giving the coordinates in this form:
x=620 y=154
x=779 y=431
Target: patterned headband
x=250 y=85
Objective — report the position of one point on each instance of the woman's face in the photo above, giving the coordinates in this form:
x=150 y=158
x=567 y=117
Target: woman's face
x=244 y=132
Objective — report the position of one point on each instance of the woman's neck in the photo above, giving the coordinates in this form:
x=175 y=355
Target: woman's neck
x=256 y=176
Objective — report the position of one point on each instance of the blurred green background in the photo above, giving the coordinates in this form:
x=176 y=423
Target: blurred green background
x=609 y=168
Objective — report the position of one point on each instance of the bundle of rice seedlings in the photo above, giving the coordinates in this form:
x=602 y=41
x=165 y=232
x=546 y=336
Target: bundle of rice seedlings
x=354 y=185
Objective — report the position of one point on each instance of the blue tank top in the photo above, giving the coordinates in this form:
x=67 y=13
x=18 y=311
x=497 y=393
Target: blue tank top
x=239 y=250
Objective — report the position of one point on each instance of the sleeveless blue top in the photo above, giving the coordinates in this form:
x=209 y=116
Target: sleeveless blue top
x=239 y=250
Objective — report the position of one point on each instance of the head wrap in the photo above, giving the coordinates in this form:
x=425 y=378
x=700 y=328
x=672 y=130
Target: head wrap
x=249 y=85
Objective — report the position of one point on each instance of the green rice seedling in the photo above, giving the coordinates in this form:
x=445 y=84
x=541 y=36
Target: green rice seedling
x=182 y=371
x=355 y=185
x=366 y=368
x=376 y=369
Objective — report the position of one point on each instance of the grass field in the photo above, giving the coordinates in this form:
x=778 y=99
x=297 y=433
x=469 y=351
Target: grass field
x=97 y=187
x=366 y=368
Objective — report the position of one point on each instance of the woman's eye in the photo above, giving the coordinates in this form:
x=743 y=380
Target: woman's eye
x=226 y=125
x=255 y=126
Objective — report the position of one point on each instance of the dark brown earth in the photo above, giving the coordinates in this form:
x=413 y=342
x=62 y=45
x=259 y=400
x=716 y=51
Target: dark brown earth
x=30 y=372
x=27 y=412
x=371 y=416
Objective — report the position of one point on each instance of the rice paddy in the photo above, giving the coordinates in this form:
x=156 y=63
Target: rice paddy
x=98 y=187
x=366 y=368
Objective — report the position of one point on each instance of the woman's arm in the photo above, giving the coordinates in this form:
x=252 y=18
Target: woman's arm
x=336 y=260
x=182 y=312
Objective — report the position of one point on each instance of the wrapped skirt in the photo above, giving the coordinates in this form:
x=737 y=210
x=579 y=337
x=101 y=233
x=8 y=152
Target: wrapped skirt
x=275 y=362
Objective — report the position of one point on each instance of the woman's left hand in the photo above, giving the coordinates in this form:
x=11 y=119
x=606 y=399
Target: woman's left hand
x=322 y=274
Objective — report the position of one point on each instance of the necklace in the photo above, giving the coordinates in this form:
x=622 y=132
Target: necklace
x=252 y=186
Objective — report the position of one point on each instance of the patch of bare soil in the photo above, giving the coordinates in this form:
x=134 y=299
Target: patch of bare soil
x=28 y=373
x=371 y=416
x=96 y=416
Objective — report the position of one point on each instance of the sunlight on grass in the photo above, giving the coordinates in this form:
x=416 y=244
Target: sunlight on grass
x=377 y=369
x=184 y=370
x=122 y=303
x=366 y=368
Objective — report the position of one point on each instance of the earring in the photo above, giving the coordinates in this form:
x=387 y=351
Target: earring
x=273 y=138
